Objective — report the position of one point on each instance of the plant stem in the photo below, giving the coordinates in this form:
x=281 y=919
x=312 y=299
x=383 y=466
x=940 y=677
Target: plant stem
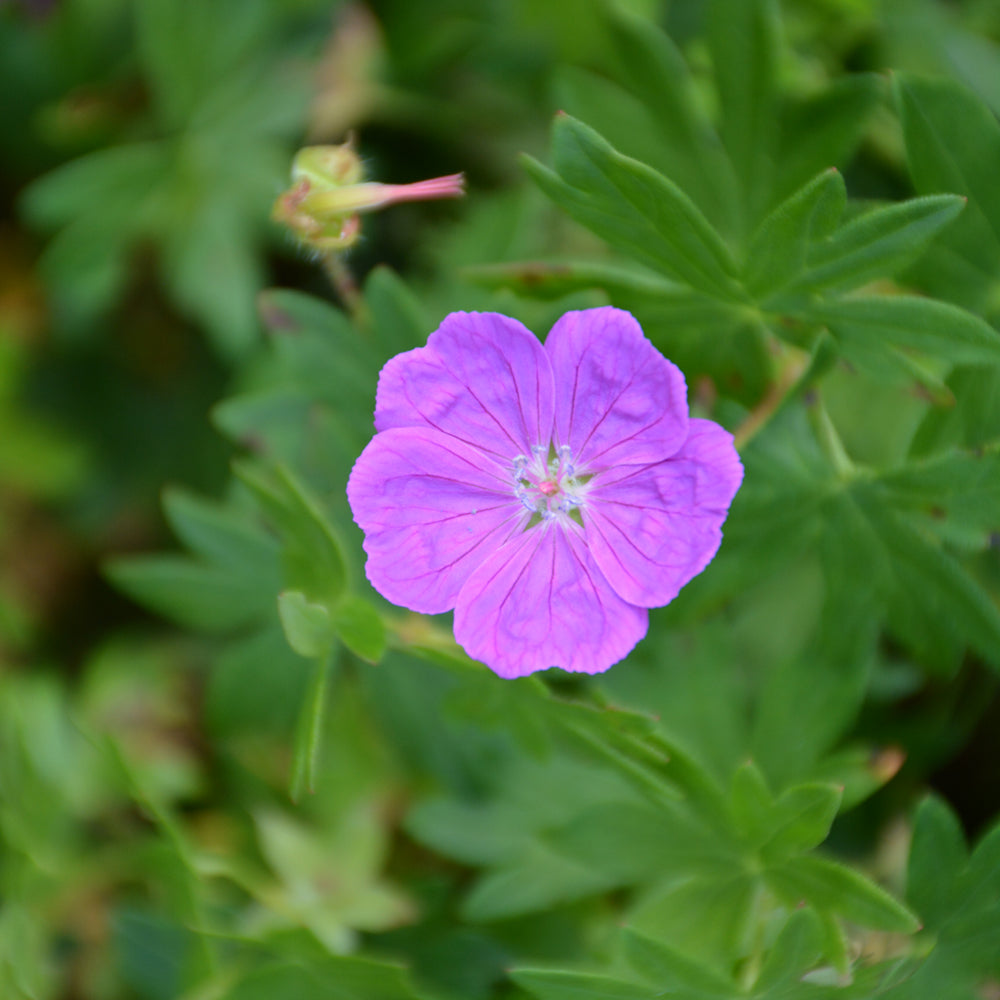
x=828 y=438
x=759 y=417
x=308 y=730
x=346 y=288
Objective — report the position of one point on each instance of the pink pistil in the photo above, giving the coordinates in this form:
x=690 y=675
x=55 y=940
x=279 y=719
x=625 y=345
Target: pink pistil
x=450 y=186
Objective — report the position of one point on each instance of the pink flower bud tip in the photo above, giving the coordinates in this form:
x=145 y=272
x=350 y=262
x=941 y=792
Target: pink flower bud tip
x=450 y=186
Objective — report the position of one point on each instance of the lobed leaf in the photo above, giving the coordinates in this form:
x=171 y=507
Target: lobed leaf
x=743 y=39
x=221 y=534
x=201 y=597
x=332 y=977
x=879 y=243
x=938 y=592
x=801 y=820
x=634 y=208
x=828 y=885
x=806 y=702
x=952 y=145
x=649 y=65
x=671 y=970
x=779 y=249
x=563 y=985
x=938 y=856
x=823 y=129
x=905 y=321
x=797 y=949
x=752 y=804
x=312 y=556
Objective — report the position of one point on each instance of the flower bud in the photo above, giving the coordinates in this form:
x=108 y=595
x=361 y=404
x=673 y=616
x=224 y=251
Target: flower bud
x=328 y=193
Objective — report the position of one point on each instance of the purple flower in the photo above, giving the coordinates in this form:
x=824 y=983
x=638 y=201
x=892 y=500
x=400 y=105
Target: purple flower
x=550 y=495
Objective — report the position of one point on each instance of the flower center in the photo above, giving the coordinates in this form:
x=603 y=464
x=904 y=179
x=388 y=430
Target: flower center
x=548 y=484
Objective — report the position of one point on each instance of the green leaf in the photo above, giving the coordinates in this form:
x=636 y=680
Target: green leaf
x=86 y=266
x=796 y=822
x=744 y=44
x=905 y=321
x=562 y=985
x=398 y=316
x=859 y=770
x=534 y=796
x=965 y=900
x=939 y=593
x=952 y=143
x=307 y=626
x=114 y=180
x=661 y=839
x=649 y=65
x=332 y=978
x=973 y=420
x=752 y=804
x=547 y=280
x=321 y=356
x=956 y=495
x=312 y=556
x=630 y=758
x=157 y=954
x=880 y=243
x=671 y=971
x=690 y=680
x=805 y=702
x=627 y=123
x=801 y=820
x=200 y=597
x=778 y=251
x=360 y=628
x=634 y=208
x=256 y=687
x=213 y=272
x=823 y=130
x=796 y=950
x=703 y=916
x=221 y=534
x=540 y=878
x=938 y=857
x=980 y=891
x=828 y=885
x=187 y=49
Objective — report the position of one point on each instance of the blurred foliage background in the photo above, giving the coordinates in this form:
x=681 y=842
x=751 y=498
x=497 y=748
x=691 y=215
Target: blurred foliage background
x=178 y=377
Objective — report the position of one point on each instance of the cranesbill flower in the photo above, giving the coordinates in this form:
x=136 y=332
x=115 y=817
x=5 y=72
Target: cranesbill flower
x=549 y=494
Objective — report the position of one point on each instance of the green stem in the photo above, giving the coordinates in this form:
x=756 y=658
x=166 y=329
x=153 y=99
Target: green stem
x=829 y=439
x=309 y=729
x=796 y=373
x=787 y=382
x=346 y=288
x=754 y=934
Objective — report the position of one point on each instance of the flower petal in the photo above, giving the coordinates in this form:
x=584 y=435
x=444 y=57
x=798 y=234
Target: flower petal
x=432 y=509
x=483 y=378
x=652 y=528
x=619 y=401
x=540 y=601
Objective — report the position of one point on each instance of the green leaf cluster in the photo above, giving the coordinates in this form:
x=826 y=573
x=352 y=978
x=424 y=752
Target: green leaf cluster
x=792 y=311
x=194 y=177
x=709 y=819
